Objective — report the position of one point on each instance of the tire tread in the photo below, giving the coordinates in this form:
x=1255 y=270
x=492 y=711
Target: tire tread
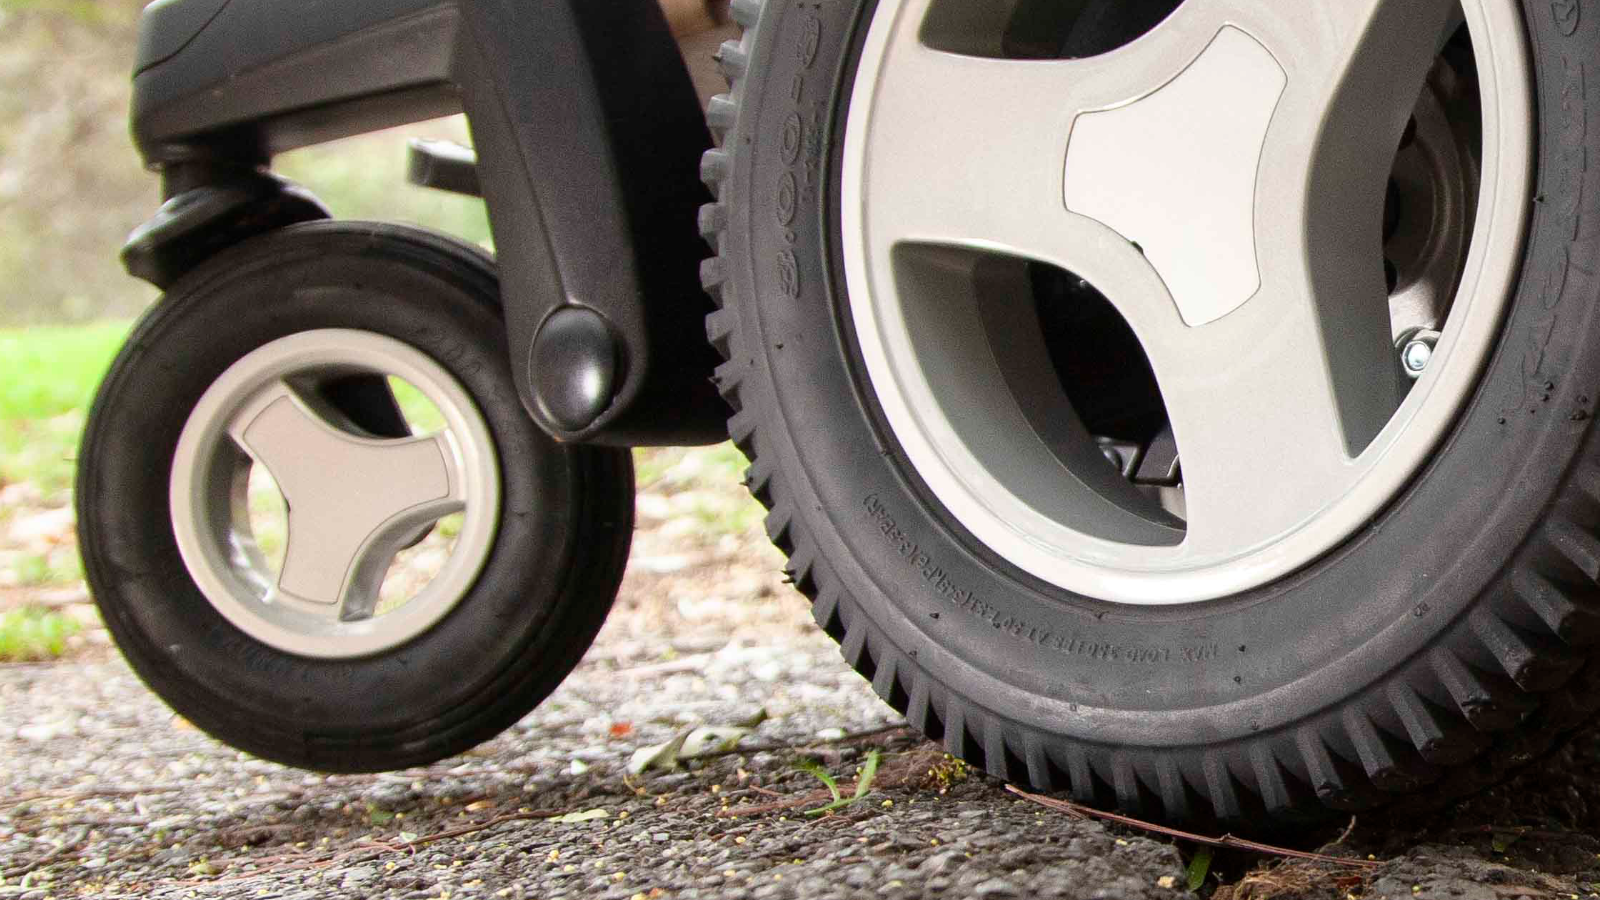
x=1497 y=688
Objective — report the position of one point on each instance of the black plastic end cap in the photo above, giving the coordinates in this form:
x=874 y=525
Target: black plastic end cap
x=200 y=222
x=573 y=367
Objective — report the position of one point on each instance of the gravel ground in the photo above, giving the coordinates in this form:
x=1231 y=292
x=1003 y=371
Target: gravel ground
x=104 y=792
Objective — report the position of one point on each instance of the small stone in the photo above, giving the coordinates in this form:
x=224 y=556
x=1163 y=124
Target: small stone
x=49 y=527
x=651 y=506
x=899 y=873
x=661 y=565
x=858 y=876
x=19 y=494
x=47 y=731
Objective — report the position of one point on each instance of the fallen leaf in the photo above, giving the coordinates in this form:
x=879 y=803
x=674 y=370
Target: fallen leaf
x=587 y=815
x=689 y=744
x=657 y=756
x=753 y=720
x=711 y=739
x=1199 y=867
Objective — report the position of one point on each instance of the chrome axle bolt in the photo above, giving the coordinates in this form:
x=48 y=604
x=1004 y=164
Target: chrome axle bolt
x=1417 y=350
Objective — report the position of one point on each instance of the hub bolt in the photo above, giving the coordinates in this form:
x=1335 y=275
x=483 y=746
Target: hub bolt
x=1417 y=350
x=1112 y=456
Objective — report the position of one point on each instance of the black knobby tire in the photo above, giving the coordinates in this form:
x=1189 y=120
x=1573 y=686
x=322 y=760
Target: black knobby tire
x=566 y=513
x=1449 y=640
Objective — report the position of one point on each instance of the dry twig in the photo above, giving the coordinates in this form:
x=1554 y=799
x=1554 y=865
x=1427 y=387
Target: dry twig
x=789 y=802
x=1345 y=834
x=486 y=823
x=801 y=745
x=1229 y=841
x=47 y=859
x=91 y=793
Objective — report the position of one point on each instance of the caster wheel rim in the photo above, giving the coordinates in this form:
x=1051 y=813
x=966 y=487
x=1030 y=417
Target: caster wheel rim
x=1221 y=181
x=353 y=500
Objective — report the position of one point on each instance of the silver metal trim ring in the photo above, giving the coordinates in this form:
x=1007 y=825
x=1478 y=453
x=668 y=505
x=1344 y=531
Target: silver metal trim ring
x=1239 y=255
x=353 y=500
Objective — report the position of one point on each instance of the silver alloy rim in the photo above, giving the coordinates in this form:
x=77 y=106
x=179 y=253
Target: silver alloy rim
x=1178 y=175
x=353 y=501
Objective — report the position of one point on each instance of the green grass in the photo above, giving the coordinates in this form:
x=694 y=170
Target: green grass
x=87 y=12
x=669 y=467
x=33 y=635
x=47 y=371
x=698 y=478
x=864 y=778
x=738 y=514
x=48 y=376
x=420 y=413
x=32 y=569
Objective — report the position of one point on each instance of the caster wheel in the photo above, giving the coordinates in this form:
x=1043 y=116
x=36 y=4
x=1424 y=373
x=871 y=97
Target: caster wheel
x=1184 y=403
x=260 y=476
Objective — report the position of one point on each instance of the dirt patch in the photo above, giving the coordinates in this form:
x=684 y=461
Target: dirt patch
x=104 y=791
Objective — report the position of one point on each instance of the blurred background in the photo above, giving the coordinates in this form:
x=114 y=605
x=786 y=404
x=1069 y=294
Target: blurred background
x=71 y=188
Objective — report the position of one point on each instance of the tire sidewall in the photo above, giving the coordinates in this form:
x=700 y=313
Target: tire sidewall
x=258 y=697
x=1117 y=674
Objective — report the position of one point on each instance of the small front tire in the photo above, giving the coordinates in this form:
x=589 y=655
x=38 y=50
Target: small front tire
x=279 y=355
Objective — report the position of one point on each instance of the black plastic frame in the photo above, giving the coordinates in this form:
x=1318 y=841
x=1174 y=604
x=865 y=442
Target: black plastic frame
x=588 y=134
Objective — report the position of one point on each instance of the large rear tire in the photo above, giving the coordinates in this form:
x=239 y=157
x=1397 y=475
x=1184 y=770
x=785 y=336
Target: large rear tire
x=1294 y=639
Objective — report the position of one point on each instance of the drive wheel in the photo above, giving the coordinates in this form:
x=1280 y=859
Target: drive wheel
x=276 y=437
x=1186 y=403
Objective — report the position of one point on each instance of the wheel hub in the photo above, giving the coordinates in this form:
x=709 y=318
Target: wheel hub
x=353 y=499
x=344 y=493
x=1186 y=152
x=1222 y=182
x=1434 y=187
